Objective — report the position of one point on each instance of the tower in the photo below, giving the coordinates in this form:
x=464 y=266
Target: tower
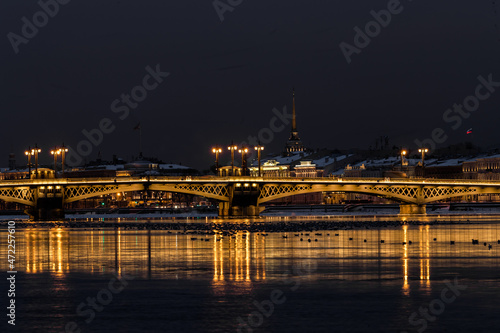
x=294 y=144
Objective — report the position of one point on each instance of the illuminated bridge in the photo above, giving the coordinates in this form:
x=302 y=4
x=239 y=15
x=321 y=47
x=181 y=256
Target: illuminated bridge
x=237 y=196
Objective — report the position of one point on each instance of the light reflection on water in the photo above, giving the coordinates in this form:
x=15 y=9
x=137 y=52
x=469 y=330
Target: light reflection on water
x=408 y=253
x=206 y=284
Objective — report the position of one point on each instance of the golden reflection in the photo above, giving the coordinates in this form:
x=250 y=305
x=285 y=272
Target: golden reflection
x=27 y=236
x=247 y=258
x=59 y=252
x=427 y=255
x=424 y=248
x=406 y=286
x=119 y=253
x=92 y=250
x=218 y=258
x=241 y=252
x=244 y=257
x=240 y=243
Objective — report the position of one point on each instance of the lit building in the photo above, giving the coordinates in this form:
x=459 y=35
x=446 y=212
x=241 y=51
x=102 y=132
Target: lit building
x=227 y=171
x=483 y=168
x=271 y=168
x=7 y=174
x=487 y=168
x=361 y=171
x=306 y=169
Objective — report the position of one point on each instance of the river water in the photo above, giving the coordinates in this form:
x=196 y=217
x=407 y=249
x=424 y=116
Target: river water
x=407 y=278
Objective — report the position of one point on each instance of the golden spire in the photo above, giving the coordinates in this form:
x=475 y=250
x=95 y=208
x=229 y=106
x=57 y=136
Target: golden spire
x=294 y=121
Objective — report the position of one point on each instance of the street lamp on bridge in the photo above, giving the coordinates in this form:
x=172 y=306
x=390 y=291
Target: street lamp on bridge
x=55 y=152
x=259 y=148
x=63 y=150
x=232 y=148
x=403 y=154
x=36 y=151
x=423 y=151
x=28 y=154
x=243 y=152
x=216 y=151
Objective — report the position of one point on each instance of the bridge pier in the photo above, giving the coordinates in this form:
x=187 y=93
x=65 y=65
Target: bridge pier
x=224 y=208
x=46 y=210
x=412 y=209
x=243 y=201
x=49 y=204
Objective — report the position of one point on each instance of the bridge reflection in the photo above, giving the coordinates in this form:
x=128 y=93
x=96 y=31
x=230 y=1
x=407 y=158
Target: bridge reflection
x=415 y=255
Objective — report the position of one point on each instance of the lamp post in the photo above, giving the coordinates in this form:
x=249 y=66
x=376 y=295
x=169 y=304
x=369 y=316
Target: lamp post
x=243 y=152
x=36 y=151
x=216 y=151
x=28 y=154
x=423 y=151
x=63 y=150
x=55 y=152
x=403 y=154
x=259 y=148
x=232 y=148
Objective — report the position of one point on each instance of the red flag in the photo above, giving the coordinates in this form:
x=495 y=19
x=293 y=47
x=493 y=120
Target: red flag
x=469 y=131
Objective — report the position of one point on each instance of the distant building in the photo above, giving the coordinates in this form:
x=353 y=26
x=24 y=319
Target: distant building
x=98 y=171
x=362 y=171
x=442 y=171
x=487 y=168
x=176 y=170
x=271 y=168
x=307 y=169
x=227 y=171
x=7 y=174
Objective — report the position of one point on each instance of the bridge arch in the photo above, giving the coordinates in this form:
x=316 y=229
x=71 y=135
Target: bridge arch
x=218 y=192
x=420 y=194
x=405 y=194
x=80 y=192
x=22 y=195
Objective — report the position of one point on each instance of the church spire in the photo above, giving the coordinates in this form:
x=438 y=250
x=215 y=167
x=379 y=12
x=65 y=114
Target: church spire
x=294 y=144
x=294 y=119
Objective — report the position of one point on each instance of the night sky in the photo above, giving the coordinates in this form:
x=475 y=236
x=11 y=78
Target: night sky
x=227 y=76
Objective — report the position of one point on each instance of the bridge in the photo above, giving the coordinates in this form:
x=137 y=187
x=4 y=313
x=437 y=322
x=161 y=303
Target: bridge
x=237 y=196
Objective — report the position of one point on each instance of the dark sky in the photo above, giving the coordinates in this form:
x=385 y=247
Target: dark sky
x=226 y=77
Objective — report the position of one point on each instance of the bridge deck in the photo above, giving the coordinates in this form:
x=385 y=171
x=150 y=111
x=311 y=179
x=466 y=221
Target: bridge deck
x=260 y=180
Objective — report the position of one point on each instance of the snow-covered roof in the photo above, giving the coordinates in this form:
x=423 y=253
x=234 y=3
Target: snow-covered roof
x=283 y=160
x=5 y=170
x=443 y=163
x=326 y=160
x=173 y=166
x=378 y=163
x=106 y=167
x=487 y=156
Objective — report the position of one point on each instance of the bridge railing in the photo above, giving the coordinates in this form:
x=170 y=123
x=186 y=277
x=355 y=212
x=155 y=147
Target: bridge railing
x=107 y=180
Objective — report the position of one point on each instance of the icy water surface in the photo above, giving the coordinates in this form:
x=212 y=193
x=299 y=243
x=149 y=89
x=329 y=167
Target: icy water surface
x=339 y=281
